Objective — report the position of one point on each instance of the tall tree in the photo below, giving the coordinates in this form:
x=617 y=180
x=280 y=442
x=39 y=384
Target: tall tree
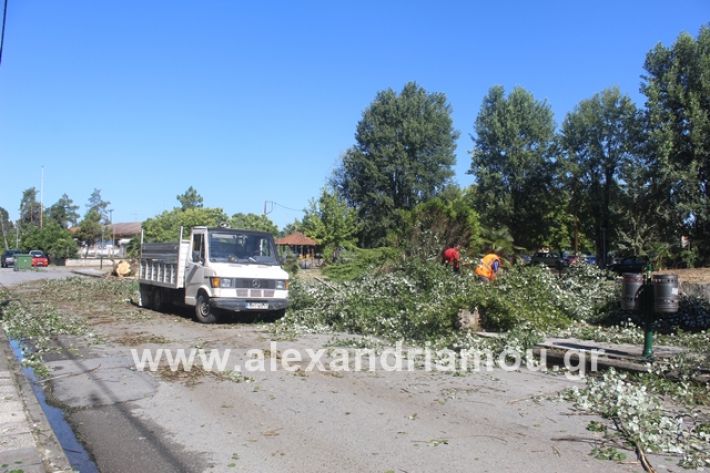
x=250 y=221
x=98 y=204
x=90 y=228
x=513 y=162
x=677 y=90
x=295 y=226
x=166 y=226
x=6 y=228
x=403 y=155
x=600 y=137
x=447 y=219
x=64 y=212
x=190 y=199
x=331 y=222
x=30 y=209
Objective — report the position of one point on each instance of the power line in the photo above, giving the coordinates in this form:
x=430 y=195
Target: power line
x=2 y=31
x=268 y=210
x=287 y=208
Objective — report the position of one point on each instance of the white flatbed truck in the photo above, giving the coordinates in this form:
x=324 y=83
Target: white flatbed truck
x=215 y=269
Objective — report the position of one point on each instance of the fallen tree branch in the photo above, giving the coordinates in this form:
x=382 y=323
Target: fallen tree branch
x=643 y=459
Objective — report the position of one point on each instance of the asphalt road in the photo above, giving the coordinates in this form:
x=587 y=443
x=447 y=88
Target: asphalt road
x=304 y=421
x=9 y=277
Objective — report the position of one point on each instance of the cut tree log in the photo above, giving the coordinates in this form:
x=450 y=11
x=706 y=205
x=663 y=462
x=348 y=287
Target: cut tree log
x=122 y=269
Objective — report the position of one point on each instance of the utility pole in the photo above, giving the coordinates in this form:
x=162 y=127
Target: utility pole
x=268 y=209
x=2 y=30
x=41 y=199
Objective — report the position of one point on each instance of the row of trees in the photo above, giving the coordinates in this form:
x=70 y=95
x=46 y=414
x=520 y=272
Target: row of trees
x=611 y=177
x=48 y=229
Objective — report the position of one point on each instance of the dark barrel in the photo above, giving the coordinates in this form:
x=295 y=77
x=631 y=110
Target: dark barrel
x=631 y=285
x=665 y=293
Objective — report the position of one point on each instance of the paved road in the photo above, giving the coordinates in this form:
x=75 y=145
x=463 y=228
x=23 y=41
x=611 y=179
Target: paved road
x=9 y=277
x=301 y=422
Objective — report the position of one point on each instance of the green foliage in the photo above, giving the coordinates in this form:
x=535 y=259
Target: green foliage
x=6 y=229
x=293 y=227
x=600 y=137
x=499 y=240
x=29 y=207
x=643 y=418
x=608 y=453
x=403 y=156
x=97 y=204
x=190 y=199
x=290 y=264
x=514 y=166
x=52 y=238
x=420 y=300
x=261 y=223
x=530 y=296
x=166 y=226
x=90 y=227
x=331 y=223
x=357 y=262
x=444 y=220
x=677 y=89
x=64 y=212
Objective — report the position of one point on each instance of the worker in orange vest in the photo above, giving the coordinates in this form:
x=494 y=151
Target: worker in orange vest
x=489 y=266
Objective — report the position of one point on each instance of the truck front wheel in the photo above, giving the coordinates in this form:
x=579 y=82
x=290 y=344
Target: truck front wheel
x=204 y=313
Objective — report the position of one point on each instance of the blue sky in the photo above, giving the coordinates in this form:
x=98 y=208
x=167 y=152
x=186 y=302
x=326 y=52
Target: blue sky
x=256 y=101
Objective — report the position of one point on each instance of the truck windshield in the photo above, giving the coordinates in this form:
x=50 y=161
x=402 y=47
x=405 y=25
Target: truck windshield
x=244 y=248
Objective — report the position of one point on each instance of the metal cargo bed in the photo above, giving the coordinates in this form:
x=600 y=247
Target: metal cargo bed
x=163 y=264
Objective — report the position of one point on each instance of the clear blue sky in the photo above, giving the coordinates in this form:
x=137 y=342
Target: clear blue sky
x=255 y=101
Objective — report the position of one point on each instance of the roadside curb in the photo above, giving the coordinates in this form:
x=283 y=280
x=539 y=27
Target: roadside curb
x=46 y=443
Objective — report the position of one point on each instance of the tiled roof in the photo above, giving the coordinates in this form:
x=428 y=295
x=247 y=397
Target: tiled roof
x=296 y=239
x=126 y=229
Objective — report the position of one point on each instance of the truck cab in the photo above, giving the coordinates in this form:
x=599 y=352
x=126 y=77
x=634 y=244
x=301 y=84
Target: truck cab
x=217 y=268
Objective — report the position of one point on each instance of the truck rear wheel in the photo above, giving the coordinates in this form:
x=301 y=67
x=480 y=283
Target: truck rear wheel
x=158 y=299
x=204 y=313
x=145 y=299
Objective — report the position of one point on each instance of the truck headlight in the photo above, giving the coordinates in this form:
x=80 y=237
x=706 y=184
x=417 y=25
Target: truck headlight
x=224 y=283
x=281 y=284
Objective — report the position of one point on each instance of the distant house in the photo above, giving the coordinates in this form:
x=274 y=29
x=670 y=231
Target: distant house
x=114 y=242
x=300 y=245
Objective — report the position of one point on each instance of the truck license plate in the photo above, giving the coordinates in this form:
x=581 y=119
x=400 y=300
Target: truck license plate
x=257 y=305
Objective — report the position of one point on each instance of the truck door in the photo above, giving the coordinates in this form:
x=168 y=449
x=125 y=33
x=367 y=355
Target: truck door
x=195 y=270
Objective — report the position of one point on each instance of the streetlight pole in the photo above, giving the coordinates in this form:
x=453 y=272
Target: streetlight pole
x=113 y=233
x=41 y=199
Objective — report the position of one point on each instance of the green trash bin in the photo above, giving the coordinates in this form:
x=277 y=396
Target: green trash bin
x=23 y=262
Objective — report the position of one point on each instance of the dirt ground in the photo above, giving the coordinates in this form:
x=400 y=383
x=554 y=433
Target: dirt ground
x=320 y=421
x=693 y=275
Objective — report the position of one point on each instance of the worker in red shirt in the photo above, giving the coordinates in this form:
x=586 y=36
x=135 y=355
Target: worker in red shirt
x=452 y=256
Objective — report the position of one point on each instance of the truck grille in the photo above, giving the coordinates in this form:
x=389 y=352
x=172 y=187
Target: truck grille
x=245 y=283
x=244 y=293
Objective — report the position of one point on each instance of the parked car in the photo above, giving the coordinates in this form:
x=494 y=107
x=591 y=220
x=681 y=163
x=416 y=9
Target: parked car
x=8 y=258
x=633 y=264
x=39 y=259
x=550 y=260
